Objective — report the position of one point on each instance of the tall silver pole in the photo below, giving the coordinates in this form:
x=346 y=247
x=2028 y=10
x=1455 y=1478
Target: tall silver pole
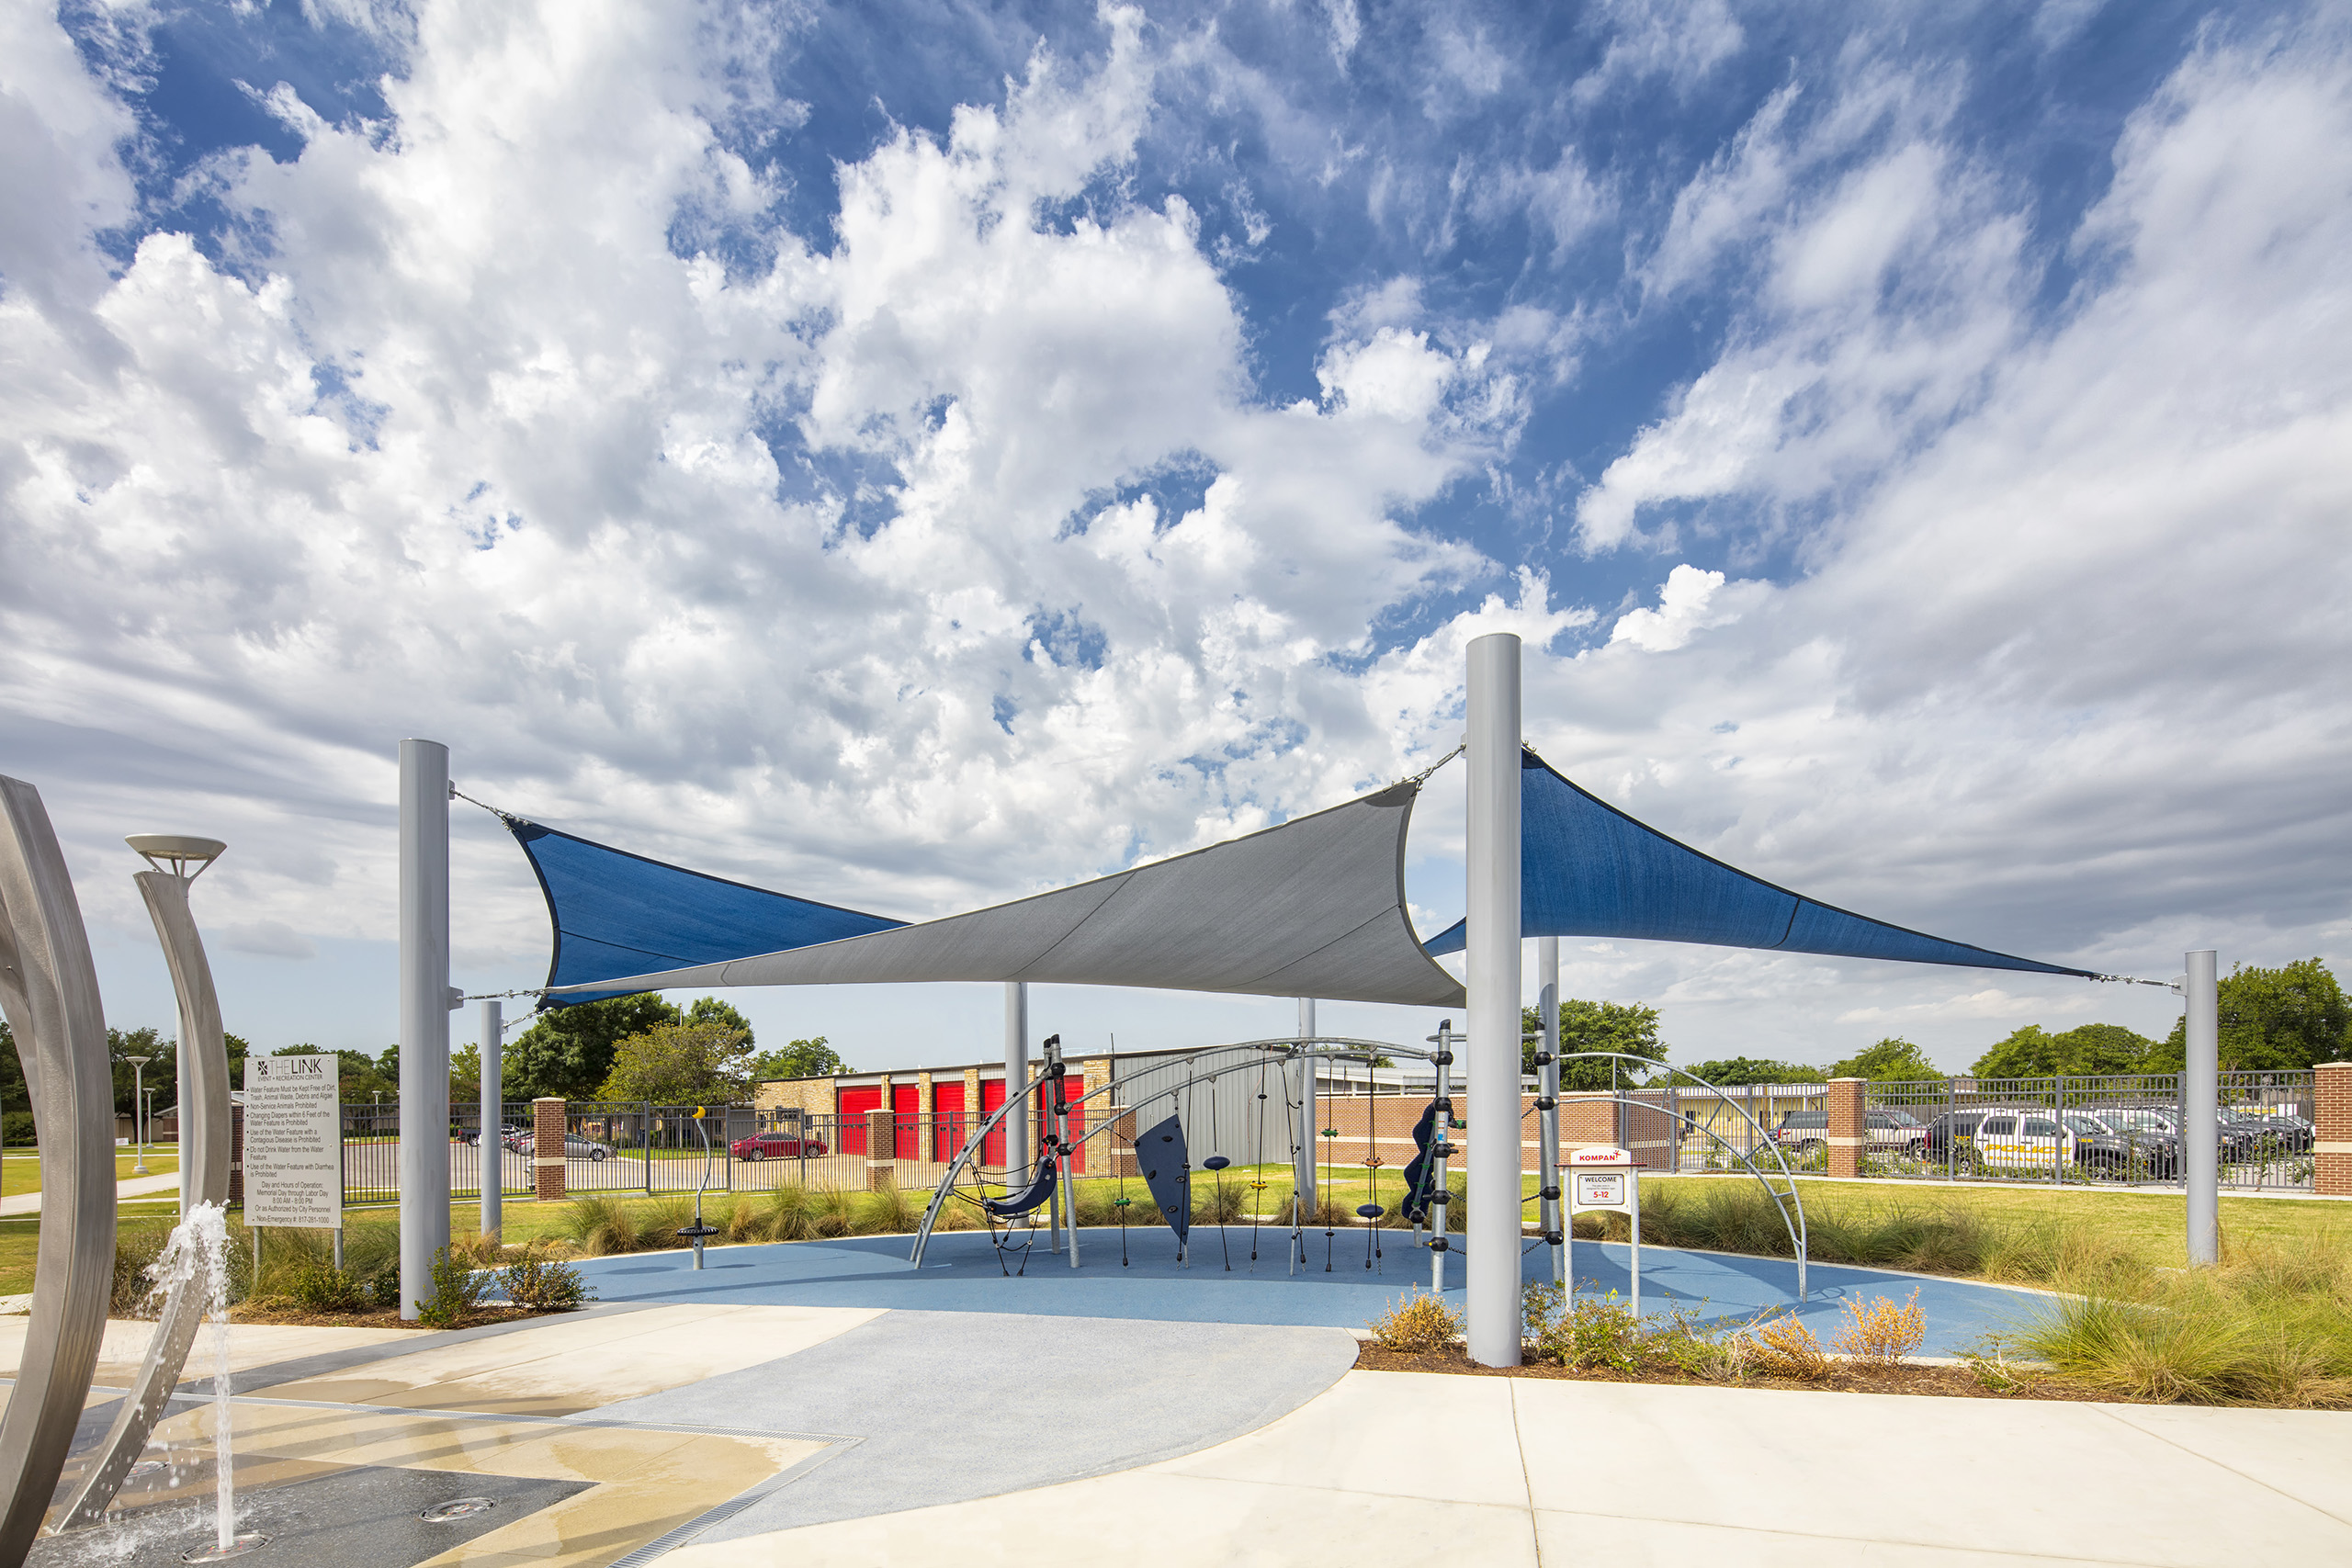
x=424 y=1015
x=1310 y=1125
x=1017 y=1073
x=2200 y=1131
x=491 y=1145
x=1492 y=752
x=1547 y=1106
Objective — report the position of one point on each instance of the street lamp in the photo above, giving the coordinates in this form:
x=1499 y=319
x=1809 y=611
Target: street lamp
x=138 y=1123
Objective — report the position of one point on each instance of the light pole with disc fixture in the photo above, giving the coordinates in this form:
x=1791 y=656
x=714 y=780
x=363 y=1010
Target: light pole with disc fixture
x=138 y=1105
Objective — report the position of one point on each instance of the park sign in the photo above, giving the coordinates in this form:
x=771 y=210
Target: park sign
x=293 y=1142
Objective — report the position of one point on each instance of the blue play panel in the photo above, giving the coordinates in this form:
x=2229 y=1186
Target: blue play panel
x=961 y=1273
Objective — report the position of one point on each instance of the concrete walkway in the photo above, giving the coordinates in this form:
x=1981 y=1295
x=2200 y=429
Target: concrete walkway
x=1398 y=1468
x=130 y=1187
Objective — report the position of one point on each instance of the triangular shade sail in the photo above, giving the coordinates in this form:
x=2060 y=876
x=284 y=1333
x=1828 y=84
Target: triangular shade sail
x=615 y=913
x=1314 y=907
x=1587 y=869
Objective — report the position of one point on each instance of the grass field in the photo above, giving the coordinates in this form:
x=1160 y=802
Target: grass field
x=20 y=1172
x=2149 y=1226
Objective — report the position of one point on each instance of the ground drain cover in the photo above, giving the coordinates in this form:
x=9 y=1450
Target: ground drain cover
x=237 y=1548
x=458 y=1508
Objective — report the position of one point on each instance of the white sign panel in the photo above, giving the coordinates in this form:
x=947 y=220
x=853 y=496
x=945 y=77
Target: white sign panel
x=1599 y=1154
x=293 y=1142
x=1602 y=1189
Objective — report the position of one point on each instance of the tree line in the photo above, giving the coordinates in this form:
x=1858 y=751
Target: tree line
x=2278 y=1020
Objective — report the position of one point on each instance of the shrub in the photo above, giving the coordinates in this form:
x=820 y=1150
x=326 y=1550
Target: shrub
x=136 y=1247
x=317 y=1285
x=1419 y=1323
x=743 y=1222
x=832 y=1215
x=456 y=1292
x=1783 y=1346
x=1882 y=1331
x=1215 y=1203
x=539 y=1283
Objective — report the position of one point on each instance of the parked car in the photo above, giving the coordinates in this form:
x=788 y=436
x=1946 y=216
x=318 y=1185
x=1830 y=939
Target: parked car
x=1949 y=1129
x=2033 y=1138
x=775 y=1145
x=1895 y=1131
x=506 y=1135
x=574 y=1147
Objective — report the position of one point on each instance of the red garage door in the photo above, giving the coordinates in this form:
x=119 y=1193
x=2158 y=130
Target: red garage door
x=948 y=1130
x=854 y=1104
x=906 y=1121
x=992 y=1146
x=1073 y=1086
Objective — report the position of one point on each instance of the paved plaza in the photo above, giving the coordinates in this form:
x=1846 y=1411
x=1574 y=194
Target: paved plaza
x=815 y=1404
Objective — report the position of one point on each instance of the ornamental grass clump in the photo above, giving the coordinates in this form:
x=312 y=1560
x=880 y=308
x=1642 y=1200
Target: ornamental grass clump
x=890 y=1210
x=1415 y=1325
x=602 y=1227
x=2267 y=1326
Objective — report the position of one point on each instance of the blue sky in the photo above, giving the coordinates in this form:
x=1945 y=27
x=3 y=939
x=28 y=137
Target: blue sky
x=915 y=455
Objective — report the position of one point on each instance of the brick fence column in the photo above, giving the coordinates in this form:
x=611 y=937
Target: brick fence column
x=1122 y=1152
x=546 y=1133
x=881 y=1144
x=2331 y=1112
x=1848 y=1130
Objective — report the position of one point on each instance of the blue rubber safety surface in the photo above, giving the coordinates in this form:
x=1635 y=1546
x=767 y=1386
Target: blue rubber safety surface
x=961 y=1273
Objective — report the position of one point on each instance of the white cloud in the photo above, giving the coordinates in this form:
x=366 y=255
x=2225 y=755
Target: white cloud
x=1686 y=606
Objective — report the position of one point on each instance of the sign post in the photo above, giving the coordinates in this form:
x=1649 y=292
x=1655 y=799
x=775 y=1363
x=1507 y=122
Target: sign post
x=294 y=1146
x=1608 y=1178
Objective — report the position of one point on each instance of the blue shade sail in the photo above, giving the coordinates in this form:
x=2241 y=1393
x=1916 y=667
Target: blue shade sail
x=617 y=914
x=1587 y=869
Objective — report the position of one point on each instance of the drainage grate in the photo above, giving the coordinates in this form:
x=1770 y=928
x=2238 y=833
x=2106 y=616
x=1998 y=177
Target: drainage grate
x=458 y=1508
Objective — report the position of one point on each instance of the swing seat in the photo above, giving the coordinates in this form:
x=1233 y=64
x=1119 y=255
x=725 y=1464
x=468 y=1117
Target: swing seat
x=1370 y=1211
x=1039 y=1190
x=1215 y=1162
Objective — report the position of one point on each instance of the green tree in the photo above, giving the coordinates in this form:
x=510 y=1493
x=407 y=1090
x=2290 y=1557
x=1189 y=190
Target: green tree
x=1731 y=1071
x=1626 y=1027
x=2033 y=1052
x=161 y=1056
x=2272 y=1019
x=567 y=1051
x=800 y=1059
x=681 y=1064
x=711 y=1010
x=358 y=1076
x=1889 y=1061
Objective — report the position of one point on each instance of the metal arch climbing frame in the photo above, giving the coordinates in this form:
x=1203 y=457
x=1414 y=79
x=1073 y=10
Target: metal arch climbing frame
x=1790 y=1204
x=1247 y=1054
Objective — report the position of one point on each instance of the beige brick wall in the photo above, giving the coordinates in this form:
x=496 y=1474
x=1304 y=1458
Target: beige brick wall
x=810 y=1097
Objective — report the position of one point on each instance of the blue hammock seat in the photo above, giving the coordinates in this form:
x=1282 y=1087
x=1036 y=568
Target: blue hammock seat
x=1035 y=1196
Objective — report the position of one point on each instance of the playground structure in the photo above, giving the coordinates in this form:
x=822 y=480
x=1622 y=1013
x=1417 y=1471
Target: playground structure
x=1163 y=1100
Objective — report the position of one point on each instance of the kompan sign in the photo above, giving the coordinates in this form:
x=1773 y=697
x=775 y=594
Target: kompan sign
x=293 y=1142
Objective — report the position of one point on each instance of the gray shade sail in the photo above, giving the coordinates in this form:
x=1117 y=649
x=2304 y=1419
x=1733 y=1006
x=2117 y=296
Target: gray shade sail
x=1315 y=907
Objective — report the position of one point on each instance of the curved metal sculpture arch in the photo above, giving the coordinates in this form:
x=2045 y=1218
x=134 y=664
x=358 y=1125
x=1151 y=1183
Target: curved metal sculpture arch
x=49 y=992
x=204 y=1158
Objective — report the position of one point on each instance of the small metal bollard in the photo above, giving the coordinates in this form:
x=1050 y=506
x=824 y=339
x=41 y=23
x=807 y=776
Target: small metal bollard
x=695 y=1234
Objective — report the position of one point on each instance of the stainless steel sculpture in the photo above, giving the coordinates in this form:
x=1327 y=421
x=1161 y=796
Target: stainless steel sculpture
x=204 y=1156
x=49 y=992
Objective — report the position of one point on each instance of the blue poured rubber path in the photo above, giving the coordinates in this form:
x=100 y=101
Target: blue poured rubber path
x=960 y=1274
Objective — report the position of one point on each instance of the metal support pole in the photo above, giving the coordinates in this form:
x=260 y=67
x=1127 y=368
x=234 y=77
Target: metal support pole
x=1440 y=1148
x=492 y=1144
x=1016 y=1074
x=1492 y=751
x=1550 y=1210
x=2199 y=1108
x=1310 y=1125
x=424 y=1015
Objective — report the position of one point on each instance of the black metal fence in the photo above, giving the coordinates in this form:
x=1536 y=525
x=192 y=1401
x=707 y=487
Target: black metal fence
x=2129 y=1129
x=371 y=1152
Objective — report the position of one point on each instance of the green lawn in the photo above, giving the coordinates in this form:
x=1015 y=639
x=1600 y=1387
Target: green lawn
x=2150 y=1226
x=20 y=1172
